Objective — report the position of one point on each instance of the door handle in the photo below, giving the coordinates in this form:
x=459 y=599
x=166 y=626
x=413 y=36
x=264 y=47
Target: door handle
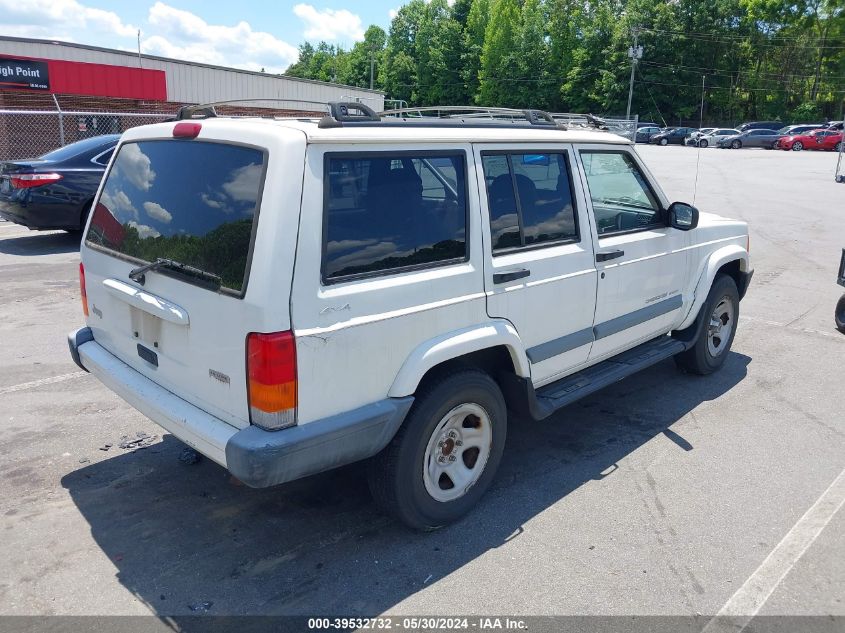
x=604 y=256
x=510 y=275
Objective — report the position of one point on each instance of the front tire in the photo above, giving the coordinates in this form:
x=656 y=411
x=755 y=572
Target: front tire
x=838 y=147
x=445 y=455
x=797 y=146
x=702 y=143
x=736 y=145
x=721 y=314
x=663 y=141
x=839 y=315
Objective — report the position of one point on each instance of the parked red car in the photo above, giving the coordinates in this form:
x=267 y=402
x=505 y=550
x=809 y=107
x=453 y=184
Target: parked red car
x=816 y=139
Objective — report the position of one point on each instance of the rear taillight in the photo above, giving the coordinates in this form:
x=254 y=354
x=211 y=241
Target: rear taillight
x=27 y=181
x=82 y=291
x=271 y=379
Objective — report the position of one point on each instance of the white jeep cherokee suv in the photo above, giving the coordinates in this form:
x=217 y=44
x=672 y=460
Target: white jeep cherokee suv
x=291 y=295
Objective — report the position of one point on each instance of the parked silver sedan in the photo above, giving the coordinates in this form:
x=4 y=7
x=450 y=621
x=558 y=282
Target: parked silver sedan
x=750 y=138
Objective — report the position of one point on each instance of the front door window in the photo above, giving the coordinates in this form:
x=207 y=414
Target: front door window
x=622 y=199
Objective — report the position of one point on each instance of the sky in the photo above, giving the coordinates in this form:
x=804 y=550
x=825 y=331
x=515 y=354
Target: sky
x=250 y=34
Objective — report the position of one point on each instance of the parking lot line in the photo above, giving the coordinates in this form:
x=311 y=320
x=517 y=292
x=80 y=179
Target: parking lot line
x=39 y=383
x=805 y=330
x=737 y=612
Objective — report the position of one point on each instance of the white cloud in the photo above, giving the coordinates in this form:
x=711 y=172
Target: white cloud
x=38 y=18
x=184 y=35
x=134 y=165
x=329 y=24
x=243 y=183
x=119 y=203
x=345 y=245
x=158 y=212
x=214 y=204
x=144 y=231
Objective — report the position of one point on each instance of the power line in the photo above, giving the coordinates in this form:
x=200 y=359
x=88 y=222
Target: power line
x=736 y=88
x=789 y=38
x=717 y=39
x=716 y=71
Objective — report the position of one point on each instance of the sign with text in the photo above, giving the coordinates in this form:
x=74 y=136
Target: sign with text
x=24 y=73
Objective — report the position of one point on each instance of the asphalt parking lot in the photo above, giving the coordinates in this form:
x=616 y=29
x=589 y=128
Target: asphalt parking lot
x=665 y=494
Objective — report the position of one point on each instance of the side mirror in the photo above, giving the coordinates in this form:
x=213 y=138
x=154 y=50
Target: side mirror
x=683 y=216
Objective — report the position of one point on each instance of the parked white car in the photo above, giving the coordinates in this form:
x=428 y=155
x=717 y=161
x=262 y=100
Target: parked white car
x=289 y=296
x=712 y=138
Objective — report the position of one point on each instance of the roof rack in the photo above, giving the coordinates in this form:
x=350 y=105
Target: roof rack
x=208 y=110
x=355 y=113
x=477 y=114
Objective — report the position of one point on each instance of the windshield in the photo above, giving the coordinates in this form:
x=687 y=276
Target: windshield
x=191 y=202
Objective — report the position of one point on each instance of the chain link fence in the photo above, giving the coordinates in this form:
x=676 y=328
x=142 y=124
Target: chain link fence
x=33 y=124
x=615 y=125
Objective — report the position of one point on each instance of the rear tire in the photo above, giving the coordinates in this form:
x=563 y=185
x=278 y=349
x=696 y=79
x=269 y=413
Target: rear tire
x=83 y=218
x=839 y=315
x=721 y=313
x=426 y=477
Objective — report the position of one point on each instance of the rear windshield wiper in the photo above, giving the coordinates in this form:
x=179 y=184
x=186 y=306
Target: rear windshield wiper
x=137 y=274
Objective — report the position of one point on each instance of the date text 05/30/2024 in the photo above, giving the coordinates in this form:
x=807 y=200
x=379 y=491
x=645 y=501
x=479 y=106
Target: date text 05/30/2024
x=479 y=623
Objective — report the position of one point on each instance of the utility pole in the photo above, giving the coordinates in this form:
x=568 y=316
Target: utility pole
x=635 y=53
x=372 y=65
x=140 y=65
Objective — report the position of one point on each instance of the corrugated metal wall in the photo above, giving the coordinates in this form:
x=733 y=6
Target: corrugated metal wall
x=197 y=83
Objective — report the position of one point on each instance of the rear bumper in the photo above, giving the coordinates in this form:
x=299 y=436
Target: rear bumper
x=51 y=215
x=258 y=458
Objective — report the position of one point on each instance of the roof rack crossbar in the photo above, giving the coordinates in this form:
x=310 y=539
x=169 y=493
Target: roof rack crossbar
x=207 y=110
x=204 y=111
x=341 y=112
x=533 y=116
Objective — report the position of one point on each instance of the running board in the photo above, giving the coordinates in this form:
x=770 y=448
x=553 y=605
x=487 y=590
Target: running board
x=546 y=400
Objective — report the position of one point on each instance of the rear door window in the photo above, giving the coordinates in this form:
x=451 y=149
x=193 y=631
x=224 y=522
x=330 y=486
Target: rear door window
x=529 y=197
x=386 y=213
x=190 y=202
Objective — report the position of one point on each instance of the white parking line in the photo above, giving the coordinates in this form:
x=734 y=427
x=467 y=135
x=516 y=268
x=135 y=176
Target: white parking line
x=806 y=330
x=750 y=598
x=39 y=383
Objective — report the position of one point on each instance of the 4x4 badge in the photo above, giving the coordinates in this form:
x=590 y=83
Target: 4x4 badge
x=328 y=309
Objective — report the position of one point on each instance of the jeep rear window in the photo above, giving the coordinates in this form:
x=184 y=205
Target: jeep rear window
x=189 y=201
x=393 y=211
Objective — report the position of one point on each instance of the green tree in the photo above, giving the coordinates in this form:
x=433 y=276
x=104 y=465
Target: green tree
x=438 y=62
x=356 y=72
x=499 y=56
x=400 y=79
x=474 y=32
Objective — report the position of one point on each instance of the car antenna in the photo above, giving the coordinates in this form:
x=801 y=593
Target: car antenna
x=698 y=141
